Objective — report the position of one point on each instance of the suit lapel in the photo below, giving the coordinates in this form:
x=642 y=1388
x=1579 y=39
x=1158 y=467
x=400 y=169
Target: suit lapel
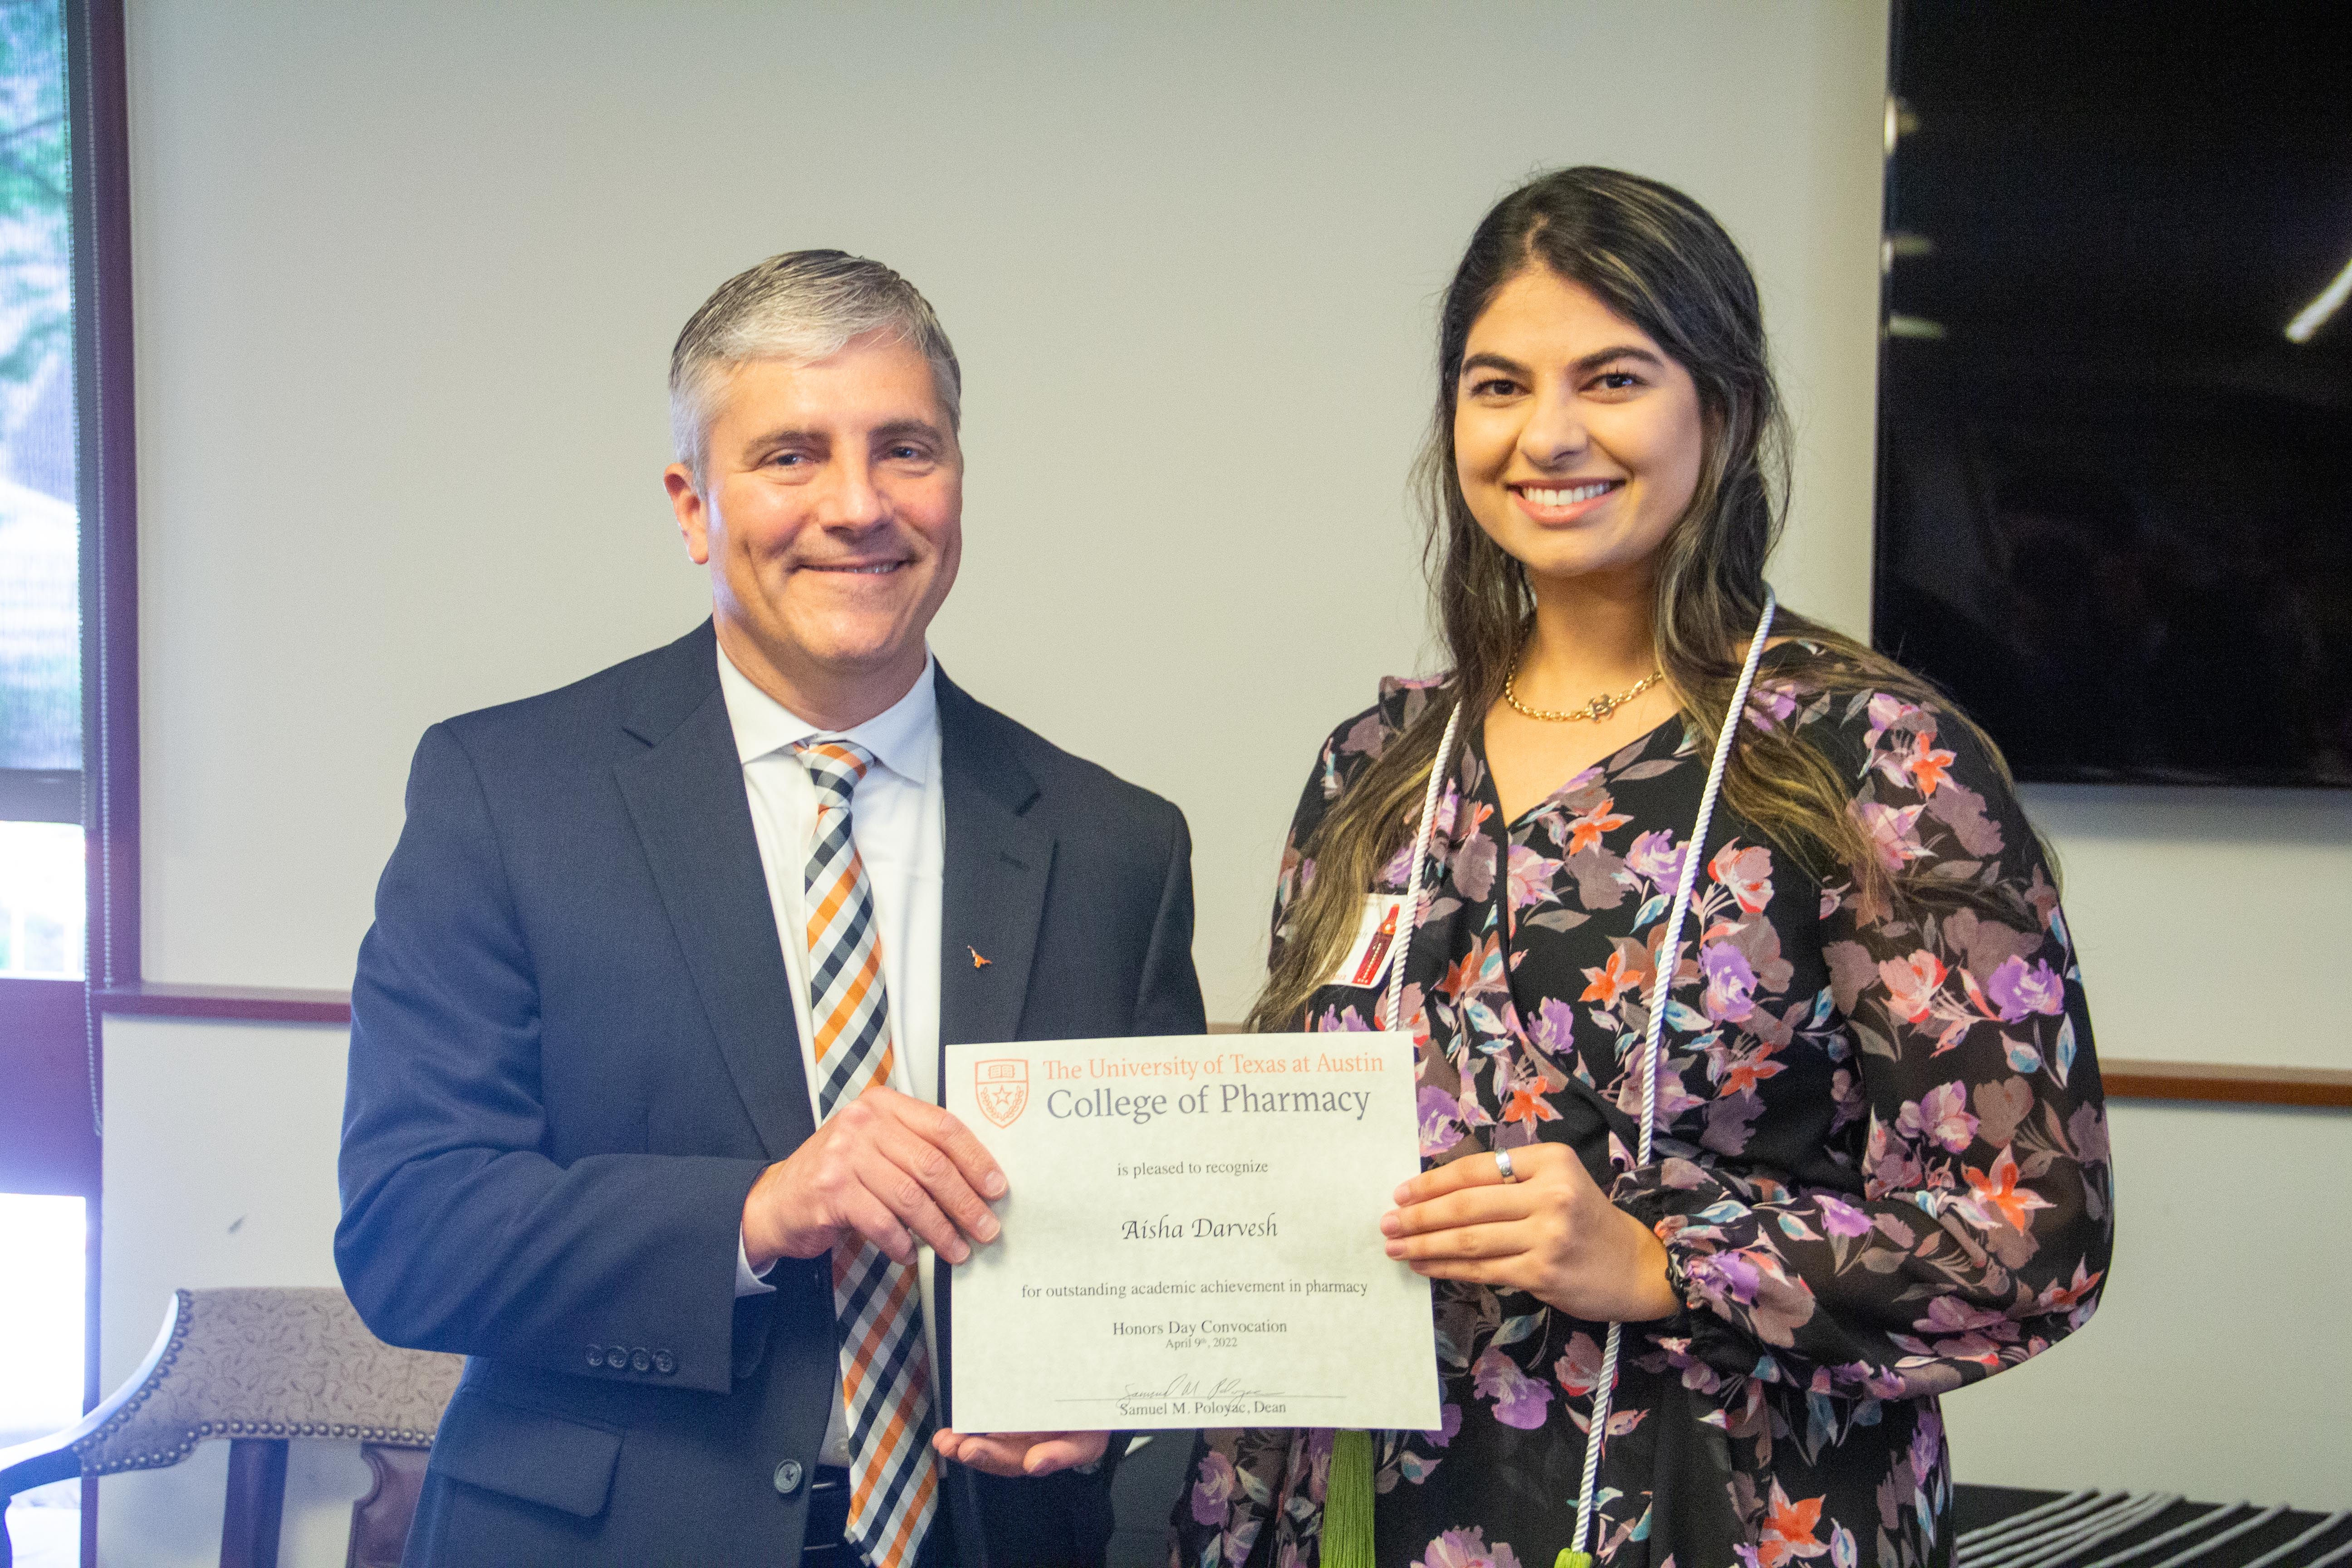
x=686 y=798
x=999 y=863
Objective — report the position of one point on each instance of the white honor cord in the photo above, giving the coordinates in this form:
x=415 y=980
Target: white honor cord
x=1416 y=890
x=1596 y=1436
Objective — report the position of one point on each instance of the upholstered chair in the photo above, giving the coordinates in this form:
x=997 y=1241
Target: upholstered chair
x=260 y=1368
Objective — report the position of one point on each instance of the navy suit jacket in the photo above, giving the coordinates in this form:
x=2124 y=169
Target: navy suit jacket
x=573 y=1052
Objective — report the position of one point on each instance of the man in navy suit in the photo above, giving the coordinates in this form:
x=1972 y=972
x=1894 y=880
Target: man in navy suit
x=647 y=1038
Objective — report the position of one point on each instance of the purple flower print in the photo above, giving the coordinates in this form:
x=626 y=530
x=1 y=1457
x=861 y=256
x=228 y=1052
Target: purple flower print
x=2014 y=991
x=1318 y=1461
x=1745 y=874
x=1336 y=1021
x=1941 y=1114
x=1950 y=1315
x=1672 y=1097
x=1579 y=1367
x=1724 y=1275
x=1409 y=1009
x=1771 y=702
x=1441 y=1121
x=2087 y=1128
x=1519 y=1400
x=1212 y=1491
x=1885 y=712
x=1927 y=1442
x=1730 y=983
x=1840 y=1217
x=1555 y=1026
x=1656 y=856
x=1466 y=1549
x=1442 y=830
x=1474 y=867
x=1531 y=876
x=1449 y=1425
x=1892 y=1163
x=1895 y=834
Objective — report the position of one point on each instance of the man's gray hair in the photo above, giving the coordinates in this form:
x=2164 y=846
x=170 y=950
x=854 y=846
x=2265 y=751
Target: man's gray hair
x=800 y=307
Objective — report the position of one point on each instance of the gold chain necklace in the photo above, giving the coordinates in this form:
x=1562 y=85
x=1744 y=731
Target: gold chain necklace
x=1597 y=708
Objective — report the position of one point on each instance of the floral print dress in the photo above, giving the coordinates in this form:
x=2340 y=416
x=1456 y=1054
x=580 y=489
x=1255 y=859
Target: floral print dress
x=1881 y=1159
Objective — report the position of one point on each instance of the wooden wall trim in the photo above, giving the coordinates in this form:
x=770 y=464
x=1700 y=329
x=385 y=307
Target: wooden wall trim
x=2213 y=1083
x=248 y=1003
x=2226 y=1083
x=2126 y=1078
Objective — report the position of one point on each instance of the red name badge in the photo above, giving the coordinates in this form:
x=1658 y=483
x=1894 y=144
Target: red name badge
x=1367 y=957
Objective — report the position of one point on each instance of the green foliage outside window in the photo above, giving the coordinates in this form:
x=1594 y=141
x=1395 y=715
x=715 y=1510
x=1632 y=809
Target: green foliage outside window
x=36 y=179
x=41 y=638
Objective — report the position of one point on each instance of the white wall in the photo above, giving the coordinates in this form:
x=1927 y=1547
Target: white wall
x=2216 y=1366
x=220 y=1170
x=2208 y=918
x=407 y=277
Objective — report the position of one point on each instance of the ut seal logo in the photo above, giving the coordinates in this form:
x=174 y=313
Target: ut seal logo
x=1003 y=1090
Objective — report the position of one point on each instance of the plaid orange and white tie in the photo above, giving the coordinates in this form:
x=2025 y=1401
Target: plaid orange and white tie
x=885 y=1367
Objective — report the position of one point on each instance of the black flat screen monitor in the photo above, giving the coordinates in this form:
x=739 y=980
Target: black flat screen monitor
x=2115 y=513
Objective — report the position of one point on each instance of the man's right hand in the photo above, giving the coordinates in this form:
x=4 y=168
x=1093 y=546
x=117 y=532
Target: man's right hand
x=885 y=1167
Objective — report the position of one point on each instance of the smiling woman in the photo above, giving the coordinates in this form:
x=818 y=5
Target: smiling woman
x=1577 y=442
x=1578 y=445
x=1843 y=1152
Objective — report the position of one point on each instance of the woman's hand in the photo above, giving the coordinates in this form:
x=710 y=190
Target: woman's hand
x=1022 y=1453
x=1552 y=1233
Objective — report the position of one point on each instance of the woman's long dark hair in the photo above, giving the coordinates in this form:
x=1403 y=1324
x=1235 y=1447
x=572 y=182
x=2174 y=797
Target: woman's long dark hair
x=1656 y=258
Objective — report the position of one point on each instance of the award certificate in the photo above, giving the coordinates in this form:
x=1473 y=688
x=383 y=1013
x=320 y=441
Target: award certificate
x=1191 y=1236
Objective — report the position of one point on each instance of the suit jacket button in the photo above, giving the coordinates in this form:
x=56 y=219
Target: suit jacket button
x=788 y=1478
x=595 y=1355
x=665 y=1363
x=618 y=1358
x=641 y=1360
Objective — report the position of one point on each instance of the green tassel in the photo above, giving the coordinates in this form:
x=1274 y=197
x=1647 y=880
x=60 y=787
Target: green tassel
x=1347 y=1503
x=1570 y=1558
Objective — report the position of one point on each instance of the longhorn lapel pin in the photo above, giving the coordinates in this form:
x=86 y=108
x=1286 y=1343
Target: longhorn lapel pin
x=977 y=962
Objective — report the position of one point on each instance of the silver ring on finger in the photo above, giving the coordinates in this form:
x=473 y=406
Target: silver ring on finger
x=1503 y=1165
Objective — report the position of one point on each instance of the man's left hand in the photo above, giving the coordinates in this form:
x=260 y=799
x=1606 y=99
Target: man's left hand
x=1022 y=1453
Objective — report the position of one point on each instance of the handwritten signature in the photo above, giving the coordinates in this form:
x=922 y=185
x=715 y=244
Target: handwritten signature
x=1183 y=1387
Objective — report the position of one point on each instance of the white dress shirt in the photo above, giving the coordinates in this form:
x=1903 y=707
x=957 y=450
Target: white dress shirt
x=897 y=819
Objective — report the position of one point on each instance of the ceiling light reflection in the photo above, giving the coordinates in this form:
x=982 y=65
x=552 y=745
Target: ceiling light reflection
x=2314 y=315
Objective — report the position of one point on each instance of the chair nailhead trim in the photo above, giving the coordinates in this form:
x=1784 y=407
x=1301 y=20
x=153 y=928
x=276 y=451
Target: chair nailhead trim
x=404 y=1438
